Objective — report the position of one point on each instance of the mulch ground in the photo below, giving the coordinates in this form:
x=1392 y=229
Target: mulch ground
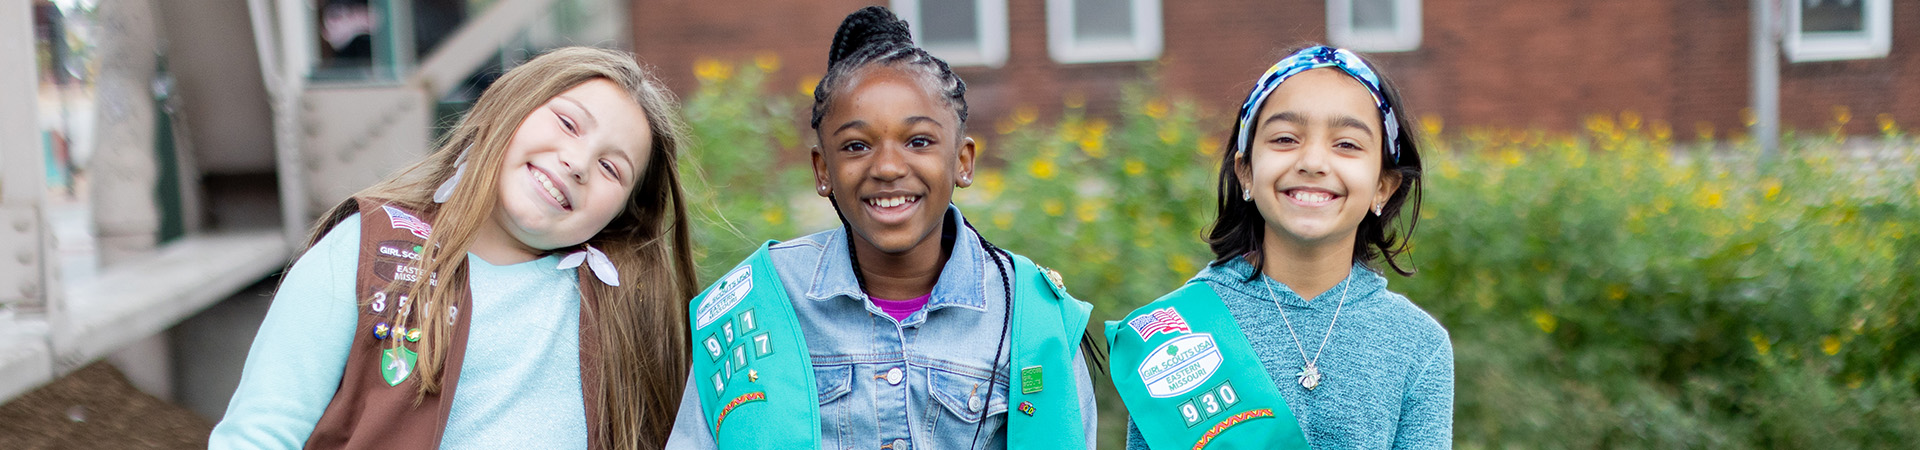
x=95 y=407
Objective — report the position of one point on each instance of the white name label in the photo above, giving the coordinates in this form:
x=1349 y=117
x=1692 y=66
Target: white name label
x=733 y=288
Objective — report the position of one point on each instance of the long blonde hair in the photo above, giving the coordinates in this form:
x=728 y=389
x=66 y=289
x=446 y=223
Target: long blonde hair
x=641 y=326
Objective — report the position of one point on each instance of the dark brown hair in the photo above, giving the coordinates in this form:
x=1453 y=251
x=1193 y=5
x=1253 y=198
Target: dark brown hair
x=1238 y=228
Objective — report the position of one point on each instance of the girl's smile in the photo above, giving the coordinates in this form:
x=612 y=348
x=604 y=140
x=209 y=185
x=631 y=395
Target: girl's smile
x=554 y=193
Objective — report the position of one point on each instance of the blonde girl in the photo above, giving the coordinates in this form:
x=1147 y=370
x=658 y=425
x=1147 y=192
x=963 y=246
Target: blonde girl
x=524 y=286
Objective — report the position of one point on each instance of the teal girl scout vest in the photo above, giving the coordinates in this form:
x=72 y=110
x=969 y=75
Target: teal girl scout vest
x=756 y=383
x=1190 y=378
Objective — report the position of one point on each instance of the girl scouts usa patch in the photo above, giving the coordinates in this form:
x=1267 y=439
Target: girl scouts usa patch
x=1180 y=365
x=726 y=295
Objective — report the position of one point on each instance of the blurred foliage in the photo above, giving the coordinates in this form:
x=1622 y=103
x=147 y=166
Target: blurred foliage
x=1611 y=288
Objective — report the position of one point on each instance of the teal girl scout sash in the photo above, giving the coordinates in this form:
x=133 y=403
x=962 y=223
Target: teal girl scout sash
x=752 y=368
x=1191 y=380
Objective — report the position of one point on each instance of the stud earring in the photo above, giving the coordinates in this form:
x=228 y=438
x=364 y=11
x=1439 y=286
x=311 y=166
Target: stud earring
x=821 y=188
x=1246 y=195
x=1377 y=207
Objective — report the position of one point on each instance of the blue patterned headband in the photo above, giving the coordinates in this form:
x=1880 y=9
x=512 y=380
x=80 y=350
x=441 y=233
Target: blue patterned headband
x=1313 y=58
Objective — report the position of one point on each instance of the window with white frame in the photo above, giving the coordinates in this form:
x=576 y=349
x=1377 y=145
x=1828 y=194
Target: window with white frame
x=962 y=32
x=1826 y=30
x=1080 y=31
x=1374 y=25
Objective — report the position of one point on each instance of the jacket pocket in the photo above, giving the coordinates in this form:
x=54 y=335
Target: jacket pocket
x=965 y=404
x=833 y=384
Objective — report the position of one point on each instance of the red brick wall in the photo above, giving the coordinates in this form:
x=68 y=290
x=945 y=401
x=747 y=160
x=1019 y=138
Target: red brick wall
x=1481 y=63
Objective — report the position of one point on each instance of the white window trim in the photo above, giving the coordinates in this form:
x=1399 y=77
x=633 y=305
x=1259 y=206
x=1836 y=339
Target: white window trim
x=1404 y=37
x=1874 y=42
x=1065 y=46
x=990 y=23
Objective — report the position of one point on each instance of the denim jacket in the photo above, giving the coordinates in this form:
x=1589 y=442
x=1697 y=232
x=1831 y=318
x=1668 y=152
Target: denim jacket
x=898 y=385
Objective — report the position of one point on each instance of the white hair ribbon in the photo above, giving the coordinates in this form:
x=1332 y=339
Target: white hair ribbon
x=602 y=267
x=446 y=189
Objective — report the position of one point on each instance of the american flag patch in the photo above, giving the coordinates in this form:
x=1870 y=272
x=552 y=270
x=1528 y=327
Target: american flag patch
x=1163 y=320
x=402 y=220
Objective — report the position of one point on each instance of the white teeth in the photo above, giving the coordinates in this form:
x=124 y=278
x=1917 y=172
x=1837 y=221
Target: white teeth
x=551 y=190
x=890 y=202
x=1311 y=197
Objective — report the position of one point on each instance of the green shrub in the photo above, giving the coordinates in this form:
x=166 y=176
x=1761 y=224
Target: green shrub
x=1610 y=288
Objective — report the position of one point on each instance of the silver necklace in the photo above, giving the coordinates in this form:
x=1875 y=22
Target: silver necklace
x=1310 y=375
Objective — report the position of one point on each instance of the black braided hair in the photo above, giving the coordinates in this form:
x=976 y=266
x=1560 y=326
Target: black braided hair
x=873 y=35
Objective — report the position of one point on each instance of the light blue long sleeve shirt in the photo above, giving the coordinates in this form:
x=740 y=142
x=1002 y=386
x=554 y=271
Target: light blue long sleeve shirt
x=1386 y=374
x=519 y=385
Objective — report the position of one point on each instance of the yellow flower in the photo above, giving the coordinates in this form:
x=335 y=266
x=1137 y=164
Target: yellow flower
x=1830 y=345
x=1630 y=120
x=1772 y=189
x=1748 y=117
x=1181 y=265
x=1094 y=146
x=1134 y=167
x=1842 y=114
x=1053 y=207
x=711 y=70
x=1074 y=100
x=1761 y=344
x=1096 y=127
x=1169 y=134
x=1662 y=131
x=1704 y=129
x=1545 y=321
x=1201 y=146
x=1155 y=108
x=1512 y=157
x=991 y=182
x=1025 y=114
x=1086 y=211
x=1616 y=292
x=774 y=216
x=807 y=83
x=768 y=62
x=1042 y=169
x=1432 y=124
x=1003 y=220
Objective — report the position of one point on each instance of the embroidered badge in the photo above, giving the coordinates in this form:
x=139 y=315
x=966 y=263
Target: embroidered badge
x=1229 y=422
x=1026 y=408
x=1163 y=320
x=725 y=295
x=1180 y=365
x=396 y=364
x=1030 y=381
x=401 y=220
x=737 y=401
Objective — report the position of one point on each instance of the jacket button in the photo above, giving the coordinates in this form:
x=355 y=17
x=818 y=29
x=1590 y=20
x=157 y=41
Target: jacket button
x=899 y=444
x=974 y=403
x=894 y=376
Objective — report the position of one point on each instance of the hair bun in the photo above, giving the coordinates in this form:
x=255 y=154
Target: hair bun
x=869 y=27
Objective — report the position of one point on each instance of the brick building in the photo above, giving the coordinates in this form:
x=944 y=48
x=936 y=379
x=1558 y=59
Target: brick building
x=1545 y=64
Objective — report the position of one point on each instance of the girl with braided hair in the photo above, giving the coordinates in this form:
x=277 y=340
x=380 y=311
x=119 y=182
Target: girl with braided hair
x=903 y=328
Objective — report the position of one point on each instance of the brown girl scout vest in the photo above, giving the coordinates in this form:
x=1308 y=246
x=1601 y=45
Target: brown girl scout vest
x=368 y=411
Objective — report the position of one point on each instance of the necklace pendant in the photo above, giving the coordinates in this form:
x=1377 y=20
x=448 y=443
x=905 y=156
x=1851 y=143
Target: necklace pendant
x=1309 y=377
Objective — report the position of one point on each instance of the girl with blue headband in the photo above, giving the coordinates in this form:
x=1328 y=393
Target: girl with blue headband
x=1290 y=338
